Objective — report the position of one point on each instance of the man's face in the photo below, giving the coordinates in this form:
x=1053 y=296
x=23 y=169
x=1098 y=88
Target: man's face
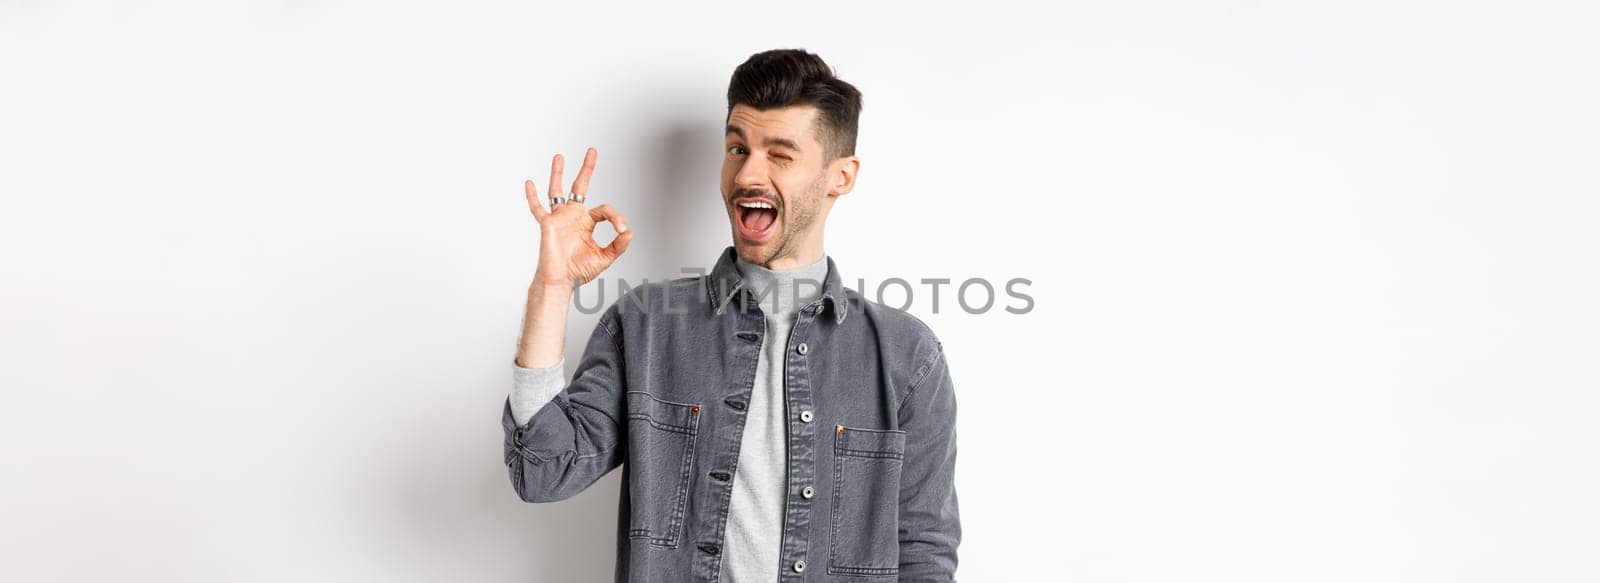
x=773 y=159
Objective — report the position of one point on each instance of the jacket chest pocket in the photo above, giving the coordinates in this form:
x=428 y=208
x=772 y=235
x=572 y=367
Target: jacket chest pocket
x=866 y=501
x=660 y=459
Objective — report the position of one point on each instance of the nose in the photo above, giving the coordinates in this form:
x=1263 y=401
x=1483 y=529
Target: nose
x=752 y=174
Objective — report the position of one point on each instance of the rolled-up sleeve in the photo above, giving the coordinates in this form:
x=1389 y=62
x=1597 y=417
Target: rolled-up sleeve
x=930 y=518
x=574 y=437
x=533 y=387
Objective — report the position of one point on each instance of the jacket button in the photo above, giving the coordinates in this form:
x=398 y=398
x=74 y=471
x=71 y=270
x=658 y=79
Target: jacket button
x=808 y=492
x=709 y=549
x=800 y=566
x=805 y=416
x=801 y=348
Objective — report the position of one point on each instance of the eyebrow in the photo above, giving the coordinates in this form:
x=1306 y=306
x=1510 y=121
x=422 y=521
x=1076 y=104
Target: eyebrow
x=785 y=142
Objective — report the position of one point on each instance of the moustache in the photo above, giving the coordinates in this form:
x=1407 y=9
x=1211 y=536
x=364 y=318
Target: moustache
x=754 y=194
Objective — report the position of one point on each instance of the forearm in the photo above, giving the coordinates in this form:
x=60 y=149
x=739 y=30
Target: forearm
x=544 y=325
x=561 y=437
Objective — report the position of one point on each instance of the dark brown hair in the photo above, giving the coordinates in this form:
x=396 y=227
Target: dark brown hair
x=785 y=77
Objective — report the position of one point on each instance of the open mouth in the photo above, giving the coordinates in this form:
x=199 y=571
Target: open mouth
x=756 y=218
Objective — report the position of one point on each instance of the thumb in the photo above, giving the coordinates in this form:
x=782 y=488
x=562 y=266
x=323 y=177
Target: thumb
x=619 y=245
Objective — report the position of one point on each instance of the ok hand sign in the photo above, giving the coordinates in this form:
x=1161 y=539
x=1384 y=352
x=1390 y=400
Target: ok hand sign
x=568 y=254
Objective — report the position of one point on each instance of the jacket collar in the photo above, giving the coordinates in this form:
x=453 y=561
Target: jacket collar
x=725 y=281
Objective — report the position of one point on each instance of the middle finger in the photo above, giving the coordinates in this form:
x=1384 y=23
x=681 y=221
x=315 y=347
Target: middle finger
x=580 y=186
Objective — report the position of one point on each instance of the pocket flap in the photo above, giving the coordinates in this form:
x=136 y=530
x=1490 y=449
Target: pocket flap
x=668 y=415
x=878 y=443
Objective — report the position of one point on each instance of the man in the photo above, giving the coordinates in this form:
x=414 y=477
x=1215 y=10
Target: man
x=772 y=425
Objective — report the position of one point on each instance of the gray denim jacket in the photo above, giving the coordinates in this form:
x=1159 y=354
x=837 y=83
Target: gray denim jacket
x=661 y=390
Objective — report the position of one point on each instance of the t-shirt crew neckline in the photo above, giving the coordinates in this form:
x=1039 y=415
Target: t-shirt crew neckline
x=789 y=295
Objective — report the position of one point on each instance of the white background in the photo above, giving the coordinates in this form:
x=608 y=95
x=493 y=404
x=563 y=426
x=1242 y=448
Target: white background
x=1315 y=284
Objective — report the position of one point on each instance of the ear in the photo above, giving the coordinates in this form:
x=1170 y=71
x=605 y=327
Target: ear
x=842 y=175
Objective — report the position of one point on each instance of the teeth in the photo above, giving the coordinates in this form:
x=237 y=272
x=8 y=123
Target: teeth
x=755 y=205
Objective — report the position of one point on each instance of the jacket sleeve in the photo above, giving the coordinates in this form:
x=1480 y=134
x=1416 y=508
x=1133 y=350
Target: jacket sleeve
x=930 y=519
x=577 y=436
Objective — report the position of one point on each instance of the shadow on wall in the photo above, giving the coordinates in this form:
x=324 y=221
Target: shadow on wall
x=681 y=205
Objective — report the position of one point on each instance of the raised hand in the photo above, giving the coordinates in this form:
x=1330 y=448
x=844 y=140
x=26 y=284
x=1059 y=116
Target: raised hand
x=568 y=254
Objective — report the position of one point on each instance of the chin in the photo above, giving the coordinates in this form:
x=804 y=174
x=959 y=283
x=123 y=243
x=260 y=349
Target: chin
x=753 y=252
x=749 y=251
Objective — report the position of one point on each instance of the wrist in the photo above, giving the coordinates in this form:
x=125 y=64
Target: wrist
x=546 y=284
x=547 y=287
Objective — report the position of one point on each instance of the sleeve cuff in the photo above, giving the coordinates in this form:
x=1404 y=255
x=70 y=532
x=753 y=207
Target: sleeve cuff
x=533 y=388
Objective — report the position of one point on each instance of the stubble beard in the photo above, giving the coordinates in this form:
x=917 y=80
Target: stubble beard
x=803 y=213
